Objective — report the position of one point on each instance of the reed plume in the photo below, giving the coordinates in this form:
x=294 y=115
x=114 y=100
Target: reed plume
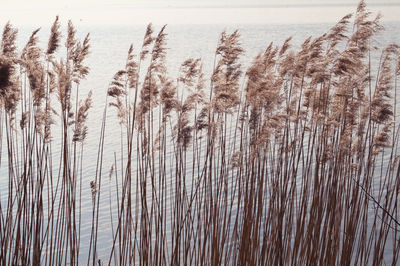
x=9 y=89
x=80 y=130
x=8 y=41
x=147 y=41
x=380 y=105
x=31 y=58
x=55 y=36
x=225 y=78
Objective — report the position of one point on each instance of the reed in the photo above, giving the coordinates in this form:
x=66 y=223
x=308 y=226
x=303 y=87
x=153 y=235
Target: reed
x=293 y=161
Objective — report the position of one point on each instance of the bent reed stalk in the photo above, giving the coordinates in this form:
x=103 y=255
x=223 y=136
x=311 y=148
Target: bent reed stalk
x=294 y=161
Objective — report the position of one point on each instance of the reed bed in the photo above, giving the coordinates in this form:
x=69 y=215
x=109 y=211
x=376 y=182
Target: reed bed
x=40 y=222
x=293 y=161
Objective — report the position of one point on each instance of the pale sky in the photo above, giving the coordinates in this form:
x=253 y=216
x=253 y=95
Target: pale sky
x=95 y=12
x=179 y=3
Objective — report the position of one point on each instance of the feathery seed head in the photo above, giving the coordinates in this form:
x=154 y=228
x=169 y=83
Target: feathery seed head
x=55 y=36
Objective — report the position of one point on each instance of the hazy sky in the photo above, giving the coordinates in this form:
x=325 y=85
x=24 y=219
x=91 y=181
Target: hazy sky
x=42 y=12
x=178 y=3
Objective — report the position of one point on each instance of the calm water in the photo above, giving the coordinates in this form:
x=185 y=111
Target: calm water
x=109 y=46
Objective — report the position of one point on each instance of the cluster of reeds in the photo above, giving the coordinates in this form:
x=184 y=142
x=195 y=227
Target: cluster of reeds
x=40 y=211
x=294 y=161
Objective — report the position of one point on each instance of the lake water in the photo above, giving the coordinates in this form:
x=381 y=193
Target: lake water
x=109 y=46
